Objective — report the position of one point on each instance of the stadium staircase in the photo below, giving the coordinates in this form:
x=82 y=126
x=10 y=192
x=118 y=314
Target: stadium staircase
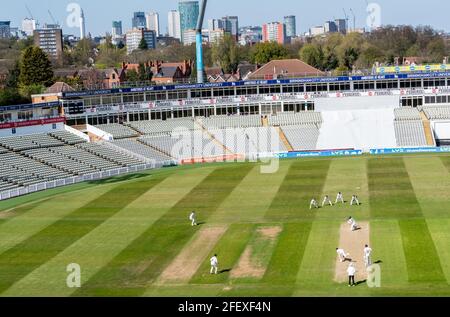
x=205 y=131
x=125 y=151
x=155 y=148
x=284 y=139
x=428 y=131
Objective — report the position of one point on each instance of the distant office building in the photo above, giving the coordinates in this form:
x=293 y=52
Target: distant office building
x=28 y=26
x=50 y=40
x=117 y=36
x=174 y=26
x=341 y=25
x=152 y=22
x=317 y=30
x=82 y=25
x=189 y=37
x=139 y=21
x=250 y=35
x=291 y=26
x=216 y=35
x=274 y=32
x=231 y=25
x=5 y=29
x=215 y=24
x=330 y=27
x=135 y=36
x=189 y=12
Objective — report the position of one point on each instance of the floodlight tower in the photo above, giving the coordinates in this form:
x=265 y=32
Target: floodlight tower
x=199 y=43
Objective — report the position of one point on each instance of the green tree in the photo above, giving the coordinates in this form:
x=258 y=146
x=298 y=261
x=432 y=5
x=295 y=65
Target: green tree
x=312 y=54
x=436 y=50
x=225 y=54
x=11 y=96
x=143 y=46
x=35 y=68
x=12 y=81
x=144 y=73
x=132 y=76
x=263 y=53
x=84 y=52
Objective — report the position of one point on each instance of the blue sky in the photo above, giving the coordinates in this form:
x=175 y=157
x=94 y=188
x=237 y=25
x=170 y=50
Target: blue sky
x=100 y=13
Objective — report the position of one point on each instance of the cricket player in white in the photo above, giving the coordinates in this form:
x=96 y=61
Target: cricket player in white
x=367 y=255
x=339 y=198
x=192 y=218
x=352 y=223
x=327 y=201
x=354 y=200
x=342 y=255
x=214 y=264
x=351 y=271
x=313 y=203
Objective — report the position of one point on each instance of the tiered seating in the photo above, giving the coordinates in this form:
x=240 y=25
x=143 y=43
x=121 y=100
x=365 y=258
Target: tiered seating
x=236 y=121
x=140 y=148
x=295 y=118
x=5 y=185
x=26 y=142
x=250 y=140
x=409 y=129
x=184 y=146
x=59 y=161
x=85 y=157
x=109 y=154
x=302 y=137
x=437 y=113
x=67 y=137
x=410 y=133
x=118 y=131
x=160 y=127
x=26 y=171
x=3 y=150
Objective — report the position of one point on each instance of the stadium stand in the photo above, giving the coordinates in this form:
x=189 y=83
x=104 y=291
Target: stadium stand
x=135 y=146
x=118 y=131
x=409 y=128
x=27 y=142
x=236 y=121
x=164 y=127
x=67 y=137
x=302 y=137
x=194 y=144
x=109 y=154
x=437 y=113
x=297 y=118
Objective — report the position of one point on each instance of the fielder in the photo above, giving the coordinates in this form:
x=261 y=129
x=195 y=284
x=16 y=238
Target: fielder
x=193 y=218
x=352 y=223
x=367 y=255
x=342 y=255
x=339 y=198
x=313 y=203
x=354 y=201
x=327 y=201
x=214 y=264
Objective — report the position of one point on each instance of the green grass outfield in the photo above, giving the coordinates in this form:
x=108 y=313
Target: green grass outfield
x=126 y=231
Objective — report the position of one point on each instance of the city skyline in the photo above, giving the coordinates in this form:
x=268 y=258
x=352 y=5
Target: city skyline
x=98 y=25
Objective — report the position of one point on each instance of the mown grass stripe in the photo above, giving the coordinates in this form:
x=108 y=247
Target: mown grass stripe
x=446 y=161
x=391 y=192
x=228 y=249
x=440 y=233
x=258 y=189
x=304 y=180
x=288 y=254
x=387 y=245
x=433 y=199
x=101 y=245
x=28 y=255
x=34 y=217
x=318 y=265
x=421 y=256
x=136 y=267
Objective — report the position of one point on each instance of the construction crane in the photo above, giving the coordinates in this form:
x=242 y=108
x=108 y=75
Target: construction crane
x=53 y=18
x=354 y=19
x=29 y=11
x=199 y=44
x=346 y=18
